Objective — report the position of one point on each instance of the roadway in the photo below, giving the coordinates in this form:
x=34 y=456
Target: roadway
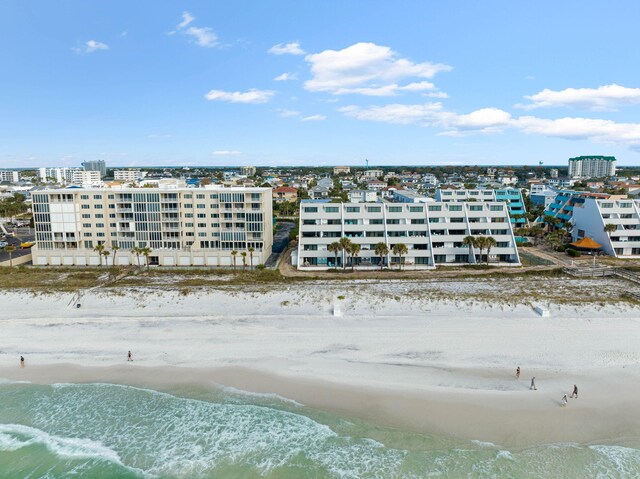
x=21 y=235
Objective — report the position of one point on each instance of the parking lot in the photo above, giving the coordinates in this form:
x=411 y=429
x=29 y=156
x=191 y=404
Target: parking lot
x=22 y=235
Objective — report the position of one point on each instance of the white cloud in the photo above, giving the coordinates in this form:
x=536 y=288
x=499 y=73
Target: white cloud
x=368 y=69
x=288 y=113
x=91 y=46
x=495 y=120
x=607 y=97
x=425 y=114
x=203 y=36
x=250 y=96
x=187 y=18
x=286 y=77
x=226 y=153
x=314 y=118
x=292 y=48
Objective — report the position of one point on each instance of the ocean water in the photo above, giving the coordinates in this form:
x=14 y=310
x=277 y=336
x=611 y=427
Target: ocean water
x=112 y=431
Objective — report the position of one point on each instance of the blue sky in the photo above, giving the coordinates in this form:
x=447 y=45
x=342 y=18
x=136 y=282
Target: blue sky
x=318 y=83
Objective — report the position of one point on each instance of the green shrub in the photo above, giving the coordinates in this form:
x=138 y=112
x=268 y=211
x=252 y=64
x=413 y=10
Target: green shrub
x=260 y=267
x=562 y=248
x=573 y=253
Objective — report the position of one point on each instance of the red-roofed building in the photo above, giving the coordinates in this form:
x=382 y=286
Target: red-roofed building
x=285 y=193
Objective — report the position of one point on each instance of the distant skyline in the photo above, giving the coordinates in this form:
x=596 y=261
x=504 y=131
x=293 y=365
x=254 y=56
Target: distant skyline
x=292 y=83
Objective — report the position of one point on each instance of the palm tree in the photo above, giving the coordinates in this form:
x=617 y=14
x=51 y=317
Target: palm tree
x=354 y=250
x=244 y=260
x=490 y=242
x=106 y=253
x=400 y=249
x=146 y=251
x=335 y=248
x=481 y=244
x=382 y=250
x=251 y=249
x=470 y=241
x=137 y=251
x=233 y=254
x=610 y=228
x=10 y=249
x=115 y=249
x=345 y=244
x=99 y=249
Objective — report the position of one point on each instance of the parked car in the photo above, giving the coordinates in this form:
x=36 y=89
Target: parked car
x=27 y=244
x=3 y=244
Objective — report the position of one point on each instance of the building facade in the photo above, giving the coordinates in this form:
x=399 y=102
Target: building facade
x=511 y=196
x=61 y=176
x=129 y=175
x=433 y=233
x=87 y=179
x=592 y=215
x=248 y=170
x=96 y=165
x=341 y=170
x=363 y=196
x=10 y=176
x=285 y=193
x=592 y=166
x=183 y=227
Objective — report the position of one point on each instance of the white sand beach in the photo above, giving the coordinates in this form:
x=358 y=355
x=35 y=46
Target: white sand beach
x=434 y=357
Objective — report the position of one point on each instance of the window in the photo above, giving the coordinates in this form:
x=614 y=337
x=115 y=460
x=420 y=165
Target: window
x=97 y=197
x=416 y=209
x=86 y=225
x=331 y=209
x=455 y=207
x=311 y=209
x=200 y=197
x=201 y=206
x=84 y=197
x=375 y=222
x=395 y=209
x=353 y=209
x=188 y=205
x=475 y=208
x=85 y=207
x=495 y=207
x=374 y=209
x=435 y=208
x=85 y=216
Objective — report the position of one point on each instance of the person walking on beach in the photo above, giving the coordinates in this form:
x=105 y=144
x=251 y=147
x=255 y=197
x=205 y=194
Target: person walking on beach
x=564 y=401
x=21 y=361
x=518 y=372
x=575 y=392
x=533 y=384
x=129 y=356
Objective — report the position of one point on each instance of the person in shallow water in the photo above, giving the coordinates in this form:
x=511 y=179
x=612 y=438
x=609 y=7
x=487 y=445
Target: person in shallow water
x=533 y=384
x=129 y=356
x=518 y=372
x=21 y=361
x=575 y=392
x=564 y=401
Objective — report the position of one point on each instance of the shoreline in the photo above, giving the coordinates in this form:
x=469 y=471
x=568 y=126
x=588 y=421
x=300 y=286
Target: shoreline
x=404 y=355
x=515 y=419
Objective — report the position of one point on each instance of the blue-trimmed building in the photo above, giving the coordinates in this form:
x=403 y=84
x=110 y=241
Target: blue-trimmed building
x=511 y=196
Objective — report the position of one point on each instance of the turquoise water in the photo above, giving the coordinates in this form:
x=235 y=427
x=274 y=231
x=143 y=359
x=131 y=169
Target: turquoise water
x=105 y=431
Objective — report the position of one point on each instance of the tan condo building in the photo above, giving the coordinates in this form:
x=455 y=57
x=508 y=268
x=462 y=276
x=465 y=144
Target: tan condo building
x=182 y=227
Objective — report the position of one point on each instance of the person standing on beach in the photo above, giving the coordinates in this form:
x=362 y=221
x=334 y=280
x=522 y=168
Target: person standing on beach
x=533 y=384
x=129 y=356
x=518 y=372
x=575 y=392
x=564 y=401
x=21 y=361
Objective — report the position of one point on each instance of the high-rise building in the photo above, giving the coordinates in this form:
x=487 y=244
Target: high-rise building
x=592 y=166
x=10 y=176
x=248 y=170
x=511 y=196
x=59 y=175
x=96 y=165
x=183 y=227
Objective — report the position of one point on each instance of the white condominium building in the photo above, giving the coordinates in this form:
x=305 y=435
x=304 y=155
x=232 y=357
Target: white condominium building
x=591 y=215
x=433 y=233
x=128 y=175
x=183 y=227
x=248 y=170
x=60 y=175
x=592 y=166
x=10 y=176
x=88 y=179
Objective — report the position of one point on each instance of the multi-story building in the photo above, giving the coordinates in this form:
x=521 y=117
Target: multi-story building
x=248 y=170
x=129 y=175
x=372 y=173
x=592 y=215
x=560 y=211
x=409 y=196
x=285 y=193
x=433 y=233
x=344 y=170
x=183 y=227
x=61 y=176
x=87 y=179
x=592 y=166
x=511 y=196
x=363 y=196
x=553 y=173
x=10 y=176
x=96 y=165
